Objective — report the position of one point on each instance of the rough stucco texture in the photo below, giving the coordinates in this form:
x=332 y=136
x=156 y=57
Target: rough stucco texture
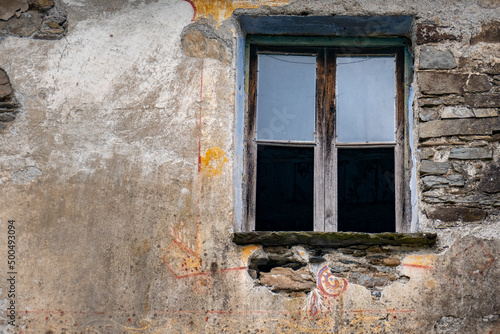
x=118 y=173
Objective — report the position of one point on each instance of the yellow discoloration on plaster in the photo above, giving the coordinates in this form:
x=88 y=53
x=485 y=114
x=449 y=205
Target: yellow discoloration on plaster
x=423 y=261
x=193 y=263
x=213 y=161
x=221 y=10
x=247 y=251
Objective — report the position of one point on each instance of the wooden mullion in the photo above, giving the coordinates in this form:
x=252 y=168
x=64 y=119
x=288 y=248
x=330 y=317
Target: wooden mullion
x=330 y=155
x=251 y=189
x=319 y=166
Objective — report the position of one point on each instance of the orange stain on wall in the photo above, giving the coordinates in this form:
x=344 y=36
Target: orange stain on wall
x=213 y=161
x=221 y=10
x=247 y=251
x=420 y=261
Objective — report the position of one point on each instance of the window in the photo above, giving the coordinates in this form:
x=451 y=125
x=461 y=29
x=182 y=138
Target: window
x=326 y=136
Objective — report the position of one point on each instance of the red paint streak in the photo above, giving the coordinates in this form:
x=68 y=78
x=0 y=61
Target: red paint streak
x=464 y=251
x=492 y=258
x=421 y=266
x=194 y=9
x=223 y=312
x=245 y=312
x=187 y=249
x=380 y=310
x=313 y=311
x=199 y=133
x=390 y=310
x=198 y=217
x=58 y=311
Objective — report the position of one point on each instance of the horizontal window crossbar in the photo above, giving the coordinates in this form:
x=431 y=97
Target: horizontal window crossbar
x=369 y=144
x=285 y=143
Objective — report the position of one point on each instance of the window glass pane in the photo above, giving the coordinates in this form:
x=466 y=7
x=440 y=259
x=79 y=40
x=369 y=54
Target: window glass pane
x=285 y=188
x=366 y=190
x=366 y=97
x=286 y=92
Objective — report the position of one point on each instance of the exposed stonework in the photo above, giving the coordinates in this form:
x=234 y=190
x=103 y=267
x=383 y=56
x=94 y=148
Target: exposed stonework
x=202 y=41
x=429 y=114
x=433 y=182
x=428 y=101
x=457 y=112
x=457 y=214
x=490 y=183
x=5 y=86
x=8 y=105
x=440 y=83
x=432 y=58
x=485 y=62
x=289 y=270
x=40 y=19
x=485 y=112
x=470 y=153
x=483 y=100
x=288 y=280
x=452 y=127
x=490 y=33
x=10 y=8
x=427 y=33
x=478 y=83
x=431 y=167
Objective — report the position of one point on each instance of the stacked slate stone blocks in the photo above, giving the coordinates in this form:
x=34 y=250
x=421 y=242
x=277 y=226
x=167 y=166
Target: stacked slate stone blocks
x=459 y=128
x=8 y=105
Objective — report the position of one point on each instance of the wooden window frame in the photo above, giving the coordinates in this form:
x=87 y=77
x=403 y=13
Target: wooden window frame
x=325 y=149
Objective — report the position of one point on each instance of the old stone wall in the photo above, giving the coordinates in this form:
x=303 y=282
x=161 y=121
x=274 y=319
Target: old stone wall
x=117 y=178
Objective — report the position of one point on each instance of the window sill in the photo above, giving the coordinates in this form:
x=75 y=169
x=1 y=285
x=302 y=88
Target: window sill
x=333 y=239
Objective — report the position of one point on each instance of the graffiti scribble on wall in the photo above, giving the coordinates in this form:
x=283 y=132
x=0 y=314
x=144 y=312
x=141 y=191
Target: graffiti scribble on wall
x=330 y=285
x=221 y=10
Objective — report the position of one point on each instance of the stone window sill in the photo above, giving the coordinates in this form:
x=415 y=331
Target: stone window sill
x=333 y=239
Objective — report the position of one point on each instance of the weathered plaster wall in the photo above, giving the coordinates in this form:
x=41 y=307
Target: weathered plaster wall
x=117 y=166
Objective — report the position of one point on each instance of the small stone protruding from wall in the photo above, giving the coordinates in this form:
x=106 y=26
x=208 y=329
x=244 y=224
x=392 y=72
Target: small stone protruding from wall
x=200 y=40
x=8 y=105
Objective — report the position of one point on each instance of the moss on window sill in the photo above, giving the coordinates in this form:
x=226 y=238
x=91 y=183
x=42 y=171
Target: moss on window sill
x=333 y=239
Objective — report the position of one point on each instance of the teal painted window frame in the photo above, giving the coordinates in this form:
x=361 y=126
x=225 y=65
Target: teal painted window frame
x=404 y=223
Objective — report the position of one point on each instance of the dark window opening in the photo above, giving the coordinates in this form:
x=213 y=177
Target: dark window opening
x=366 y=190
x=285 y=186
